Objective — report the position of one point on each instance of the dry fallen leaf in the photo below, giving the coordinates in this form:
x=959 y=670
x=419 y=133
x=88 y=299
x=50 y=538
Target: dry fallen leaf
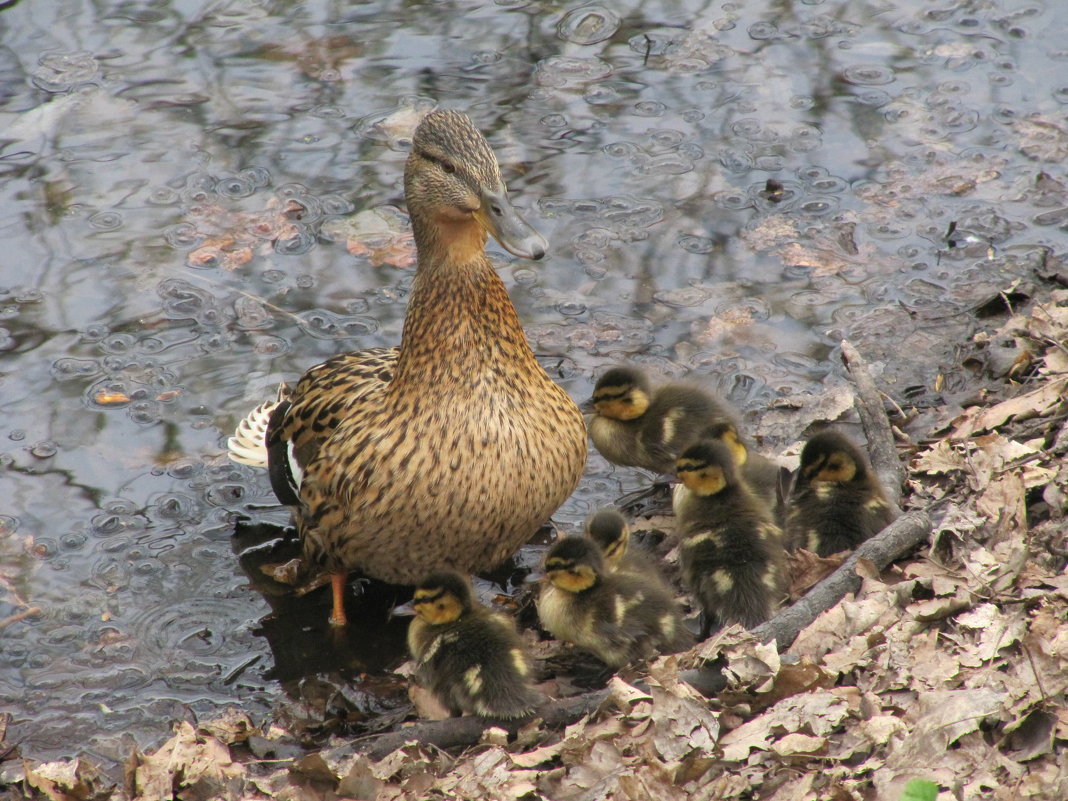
x=190 y=758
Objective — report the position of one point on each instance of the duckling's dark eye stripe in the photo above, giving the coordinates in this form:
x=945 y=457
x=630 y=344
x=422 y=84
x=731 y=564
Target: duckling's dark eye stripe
x=559 y=564
x=610 y=394
x=428 y=598
x=688 y=464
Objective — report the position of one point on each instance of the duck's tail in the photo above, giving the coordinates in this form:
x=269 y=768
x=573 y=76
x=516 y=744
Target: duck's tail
x=248 y=445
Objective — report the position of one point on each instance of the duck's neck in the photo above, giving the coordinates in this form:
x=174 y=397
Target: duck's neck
x=460 y=321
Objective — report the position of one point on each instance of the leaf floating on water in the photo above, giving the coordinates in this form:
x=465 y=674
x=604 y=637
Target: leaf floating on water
x=284 y=572
x=106 y=398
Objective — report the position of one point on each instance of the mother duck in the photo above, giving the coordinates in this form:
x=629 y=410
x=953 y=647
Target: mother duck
x=450 y=451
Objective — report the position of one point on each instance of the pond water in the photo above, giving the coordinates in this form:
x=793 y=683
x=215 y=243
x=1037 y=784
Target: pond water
x=175 y=180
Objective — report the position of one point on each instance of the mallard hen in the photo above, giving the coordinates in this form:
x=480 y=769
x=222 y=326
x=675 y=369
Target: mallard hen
x=459 y=430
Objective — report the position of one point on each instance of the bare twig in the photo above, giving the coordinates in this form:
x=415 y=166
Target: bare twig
x=877 y=428
x=891 y=543
x=33 y=611
x=457 y=732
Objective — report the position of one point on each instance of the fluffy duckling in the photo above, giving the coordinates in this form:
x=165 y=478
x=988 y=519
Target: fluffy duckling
x=610 y=531
x=836 y=502
x=634 y=426
x=373 y=447
x=762 y=475
x=731 y=551
x=468 y=656
x=619 y=617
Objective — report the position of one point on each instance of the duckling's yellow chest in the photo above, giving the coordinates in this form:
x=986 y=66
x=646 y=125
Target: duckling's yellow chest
x=558 y=611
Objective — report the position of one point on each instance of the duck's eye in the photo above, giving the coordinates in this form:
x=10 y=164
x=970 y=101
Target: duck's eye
x=448 y=166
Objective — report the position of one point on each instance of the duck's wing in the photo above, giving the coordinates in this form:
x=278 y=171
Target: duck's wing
x=324 y=396
x=248 y=445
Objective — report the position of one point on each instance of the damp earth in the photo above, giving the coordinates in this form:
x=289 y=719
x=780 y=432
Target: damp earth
x=203 y=200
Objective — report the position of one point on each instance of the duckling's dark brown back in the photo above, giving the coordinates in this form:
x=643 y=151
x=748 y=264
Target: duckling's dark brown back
x=731 y=551
x=677 y=416
x=474 y=663
x=836 y=502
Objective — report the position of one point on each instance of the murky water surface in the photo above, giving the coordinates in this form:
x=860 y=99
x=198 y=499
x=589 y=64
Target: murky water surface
x=175 y=179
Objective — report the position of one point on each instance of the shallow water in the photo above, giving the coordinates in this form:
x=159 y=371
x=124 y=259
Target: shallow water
x=172 y=175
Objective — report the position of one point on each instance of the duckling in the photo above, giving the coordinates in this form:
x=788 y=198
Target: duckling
x=635 y=426
x=731 y=552
x=619 y=617
x=764 y=477
x=836 y=502
x=469 y=657
x=610 y=531
x=375 y=447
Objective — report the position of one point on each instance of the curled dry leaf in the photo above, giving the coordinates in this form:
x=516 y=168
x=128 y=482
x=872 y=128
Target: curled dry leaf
x=190 y=758
x=66 y=780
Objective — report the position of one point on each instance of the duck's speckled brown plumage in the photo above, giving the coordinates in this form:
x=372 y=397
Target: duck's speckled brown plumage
x=836 y=502
x=730 y=551
x=459 y=431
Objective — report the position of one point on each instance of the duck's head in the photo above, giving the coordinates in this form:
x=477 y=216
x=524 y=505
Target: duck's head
x=453 y=185
x=727 y=433
x=707 y=468
x=441 y=598
x=621 y=394
x=610 y=531
x=830 y=458
x=574 y=564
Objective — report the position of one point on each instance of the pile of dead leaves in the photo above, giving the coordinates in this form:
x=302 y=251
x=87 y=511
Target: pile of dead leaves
x=950 y=668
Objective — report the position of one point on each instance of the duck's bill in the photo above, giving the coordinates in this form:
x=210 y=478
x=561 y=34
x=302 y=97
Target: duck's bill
x=404 y=610
x=507 y=227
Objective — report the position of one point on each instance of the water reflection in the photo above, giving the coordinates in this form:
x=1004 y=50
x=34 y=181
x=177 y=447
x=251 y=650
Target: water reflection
x=179 y=186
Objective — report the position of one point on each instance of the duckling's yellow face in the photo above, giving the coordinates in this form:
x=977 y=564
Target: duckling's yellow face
x=610 y=531
x=615 y=550
x=701 y=478
x=436 y=605
x=837 y=467
x=570 y=576
x=730 y=438
x=620 y=401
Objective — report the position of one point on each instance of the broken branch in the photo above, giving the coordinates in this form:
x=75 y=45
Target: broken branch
x=869 y=403
x=457 y=732
x=891 y=543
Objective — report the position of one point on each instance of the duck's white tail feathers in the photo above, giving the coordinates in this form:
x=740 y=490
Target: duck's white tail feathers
x=248 y=445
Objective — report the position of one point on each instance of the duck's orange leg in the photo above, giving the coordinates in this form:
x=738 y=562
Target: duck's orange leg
x=337 y=585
